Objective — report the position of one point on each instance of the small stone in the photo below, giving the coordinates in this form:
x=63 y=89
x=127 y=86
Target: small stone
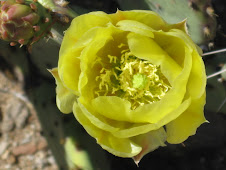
x=51 y=160
x=8 y=166
x=13 y=108
x=30 y=157
x=28 y=148
x=42 y=144
x=5 y=155
x=7 y=125
x=11 y=159
x=3 y=147
x=27 y=139
x=11 y=112
x=40 y=154
x=21 y=120
x=40 y=159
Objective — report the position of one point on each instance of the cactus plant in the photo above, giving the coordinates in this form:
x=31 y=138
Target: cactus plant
x=23 y=22
x=200 y=15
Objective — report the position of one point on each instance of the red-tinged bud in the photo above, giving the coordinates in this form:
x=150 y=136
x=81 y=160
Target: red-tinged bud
x=32 y=18
x=20 y=21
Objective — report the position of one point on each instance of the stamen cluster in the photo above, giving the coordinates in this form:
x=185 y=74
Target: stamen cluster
x=131 y=78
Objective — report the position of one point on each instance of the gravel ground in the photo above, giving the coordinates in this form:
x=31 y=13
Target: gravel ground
x=21 y=144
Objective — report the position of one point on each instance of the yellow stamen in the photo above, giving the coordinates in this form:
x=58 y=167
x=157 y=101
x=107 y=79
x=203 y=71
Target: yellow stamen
x=131 y=78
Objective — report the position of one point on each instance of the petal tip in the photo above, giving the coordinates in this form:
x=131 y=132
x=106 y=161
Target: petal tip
x=136 y=161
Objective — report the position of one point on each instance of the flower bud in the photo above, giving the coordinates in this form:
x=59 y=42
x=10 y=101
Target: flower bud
x=18 y=21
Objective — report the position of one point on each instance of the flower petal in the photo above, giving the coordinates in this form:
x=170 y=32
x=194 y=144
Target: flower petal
x=138 y=128
x=117 y=146
x=96 y=119
x=85 y=26
x=136 y=27
x=69 y=71
x=171 y=43
x=81 y=25
x=127 y=130
x=197 y=77
x=146 y=48
x=88 y=58
x=148 y=18
x=64 y=98
x=186 y=124
x=149 y=142
x=69 y=61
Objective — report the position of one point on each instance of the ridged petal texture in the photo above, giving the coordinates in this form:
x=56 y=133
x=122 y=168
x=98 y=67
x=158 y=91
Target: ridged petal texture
x=100 y=58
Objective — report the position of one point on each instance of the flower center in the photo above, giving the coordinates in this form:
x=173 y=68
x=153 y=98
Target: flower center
x=139 y=81
x=131 y=78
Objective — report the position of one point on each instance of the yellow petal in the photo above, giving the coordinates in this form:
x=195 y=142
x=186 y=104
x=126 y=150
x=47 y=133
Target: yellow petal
x=69 y=70
x=139 y=128
x=96 y=119
x=64 y=98
x=117 y=146
x=149 y=142
x=186 y=124
x=69 y=61
x=181 y=26
x=146 y=48
x=183 y=36
x=88 y=57
x=72 y=46
x=171 y=43
x=126 y=129
x=136 y=27
x=81 y=25
x=148 y=18
x=197 y=80
x=120 y=108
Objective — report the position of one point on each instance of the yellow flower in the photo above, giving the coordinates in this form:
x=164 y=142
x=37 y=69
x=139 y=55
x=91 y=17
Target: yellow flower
x=132 y=80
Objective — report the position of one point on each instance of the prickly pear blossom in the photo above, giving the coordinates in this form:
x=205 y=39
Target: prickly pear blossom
x=21 y=21
x=132 y=81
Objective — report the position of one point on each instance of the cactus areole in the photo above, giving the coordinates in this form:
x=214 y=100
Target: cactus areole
x=23 y=22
